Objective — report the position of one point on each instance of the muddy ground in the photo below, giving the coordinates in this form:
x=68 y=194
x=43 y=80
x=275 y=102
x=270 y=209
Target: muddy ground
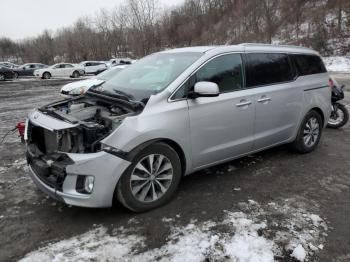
x=320 y=181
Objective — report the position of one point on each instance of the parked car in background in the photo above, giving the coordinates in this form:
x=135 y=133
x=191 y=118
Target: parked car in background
x=80 y=87
x=173 y=113
x=119 y=61
x=60 y=70
x=6 y=73
x=93 y=67
x=27 y=69
x=9 y=65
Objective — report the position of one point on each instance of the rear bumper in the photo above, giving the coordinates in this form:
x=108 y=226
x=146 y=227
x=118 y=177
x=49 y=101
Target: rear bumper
x=106 y=169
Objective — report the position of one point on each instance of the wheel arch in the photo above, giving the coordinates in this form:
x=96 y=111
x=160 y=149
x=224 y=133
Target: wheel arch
x=75 y=71
x=319 y=110
x=46 y=72
x=174 y=145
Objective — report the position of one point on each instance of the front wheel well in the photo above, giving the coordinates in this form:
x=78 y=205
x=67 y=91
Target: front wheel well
x=179 y=152
x=167 y=141
x=318 y=110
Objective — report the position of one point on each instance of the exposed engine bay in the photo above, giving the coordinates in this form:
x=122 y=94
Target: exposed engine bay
x=94 y=117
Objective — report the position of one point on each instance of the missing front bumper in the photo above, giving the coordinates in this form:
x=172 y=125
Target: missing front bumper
x=105 y=167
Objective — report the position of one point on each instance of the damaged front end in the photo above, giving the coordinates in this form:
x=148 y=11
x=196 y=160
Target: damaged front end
x=64 y=151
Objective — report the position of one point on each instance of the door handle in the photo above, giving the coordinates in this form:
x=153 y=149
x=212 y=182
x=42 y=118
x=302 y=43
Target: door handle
x=243 y=103
x=264 y=99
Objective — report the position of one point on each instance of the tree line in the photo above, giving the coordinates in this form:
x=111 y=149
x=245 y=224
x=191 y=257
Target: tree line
x=140 y=27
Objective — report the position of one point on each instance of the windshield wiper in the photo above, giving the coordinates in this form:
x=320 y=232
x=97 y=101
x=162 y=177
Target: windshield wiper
x=129 y=96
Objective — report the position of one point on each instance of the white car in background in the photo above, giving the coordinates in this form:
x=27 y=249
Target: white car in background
x=119 y=61
x=60 y=70
x=80 y=87
x=93 y=67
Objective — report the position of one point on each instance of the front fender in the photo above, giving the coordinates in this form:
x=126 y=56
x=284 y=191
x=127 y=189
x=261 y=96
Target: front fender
x=170 y=124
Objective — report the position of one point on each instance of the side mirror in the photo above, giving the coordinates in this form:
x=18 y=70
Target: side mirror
x=205 y=89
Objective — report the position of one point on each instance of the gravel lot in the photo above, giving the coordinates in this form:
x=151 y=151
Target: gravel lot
x=283 y=189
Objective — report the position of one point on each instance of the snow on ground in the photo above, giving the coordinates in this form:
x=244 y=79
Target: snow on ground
x=253 y=233
x=337 y=63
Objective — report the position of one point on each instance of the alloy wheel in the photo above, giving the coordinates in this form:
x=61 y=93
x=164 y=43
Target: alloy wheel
x=311 y=132
x=151 y=178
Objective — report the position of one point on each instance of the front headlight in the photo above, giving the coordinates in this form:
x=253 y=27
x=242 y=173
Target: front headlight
x=78 y=91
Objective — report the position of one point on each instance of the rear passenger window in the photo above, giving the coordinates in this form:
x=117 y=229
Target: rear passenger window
x=308 y=64
x=265 y=69
x=226 y=71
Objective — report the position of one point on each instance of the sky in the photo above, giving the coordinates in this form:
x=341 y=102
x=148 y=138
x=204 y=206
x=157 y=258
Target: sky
x=27 y=18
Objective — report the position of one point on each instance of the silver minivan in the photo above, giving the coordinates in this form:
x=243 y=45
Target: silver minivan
x=171 y=113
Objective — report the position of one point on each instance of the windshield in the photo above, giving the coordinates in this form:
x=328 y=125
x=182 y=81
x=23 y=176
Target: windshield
x=151 y=74
x=108 y=74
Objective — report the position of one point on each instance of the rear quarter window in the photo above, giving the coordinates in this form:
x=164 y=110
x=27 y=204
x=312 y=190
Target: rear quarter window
x=308 y=64
x=268 y=68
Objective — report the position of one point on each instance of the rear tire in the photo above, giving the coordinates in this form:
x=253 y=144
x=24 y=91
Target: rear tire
x=15 y=76
x=152 y=185
x=46 y=75
x=309 y=133
x=76 y=74
x=344 y=113
x=2 y=77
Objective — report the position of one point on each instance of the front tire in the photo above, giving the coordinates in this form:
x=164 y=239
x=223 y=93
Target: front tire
x=2 y=77
x=151 y=180
x=339 y=118
x=15 y=76
x=309 y=133
x=46 y=75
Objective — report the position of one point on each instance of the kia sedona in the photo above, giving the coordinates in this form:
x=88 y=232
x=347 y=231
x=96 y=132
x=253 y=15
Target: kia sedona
x=134 y=137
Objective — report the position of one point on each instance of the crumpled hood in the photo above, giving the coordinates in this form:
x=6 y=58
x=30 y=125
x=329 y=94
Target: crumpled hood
x=51 y=123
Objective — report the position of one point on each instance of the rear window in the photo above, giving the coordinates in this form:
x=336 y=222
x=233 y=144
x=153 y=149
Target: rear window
x=268 y=68
x=308 y=64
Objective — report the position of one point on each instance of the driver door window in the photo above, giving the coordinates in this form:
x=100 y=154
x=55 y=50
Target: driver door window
x=226 y=71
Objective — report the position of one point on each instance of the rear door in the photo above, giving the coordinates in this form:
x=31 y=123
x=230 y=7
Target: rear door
x=278 y=99
x=221 y=127
x=29 y=70
x=94 y=67
x=88 y=67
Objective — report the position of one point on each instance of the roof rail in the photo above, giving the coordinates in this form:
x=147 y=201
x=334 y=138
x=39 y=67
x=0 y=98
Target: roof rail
x=273 y=45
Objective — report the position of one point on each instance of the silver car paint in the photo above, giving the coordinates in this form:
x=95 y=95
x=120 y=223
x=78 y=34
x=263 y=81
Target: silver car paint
x=209 y=130
x=106 y=170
